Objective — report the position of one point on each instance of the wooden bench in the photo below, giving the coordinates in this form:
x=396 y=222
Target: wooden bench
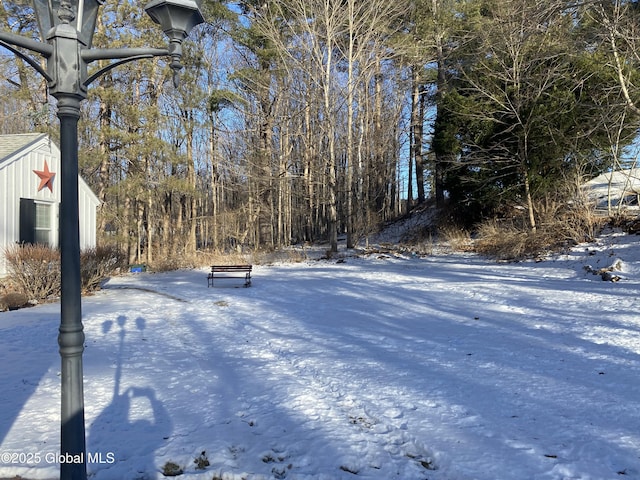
x=227 y=270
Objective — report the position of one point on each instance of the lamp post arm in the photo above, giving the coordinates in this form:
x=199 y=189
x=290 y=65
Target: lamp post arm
x=121 y=53
x=124 y=55
x=43 y=49
x=113 y=65
x=10 y=41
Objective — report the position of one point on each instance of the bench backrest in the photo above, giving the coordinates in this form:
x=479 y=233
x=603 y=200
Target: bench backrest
x=231 y=268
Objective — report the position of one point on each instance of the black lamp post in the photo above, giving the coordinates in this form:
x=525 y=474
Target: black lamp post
x=67 y=28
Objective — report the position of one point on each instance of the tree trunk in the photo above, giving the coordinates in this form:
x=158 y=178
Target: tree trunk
x=419 y=134
x=441 y=86
x=530 y=209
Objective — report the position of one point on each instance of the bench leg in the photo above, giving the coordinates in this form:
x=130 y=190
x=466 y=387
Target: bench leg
x=247 y=279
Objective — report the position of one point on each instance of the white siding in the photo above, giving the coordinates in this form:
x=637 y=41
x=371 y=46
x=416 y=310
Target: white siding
x=18 y=180
x=7 y=211
x=87 y=211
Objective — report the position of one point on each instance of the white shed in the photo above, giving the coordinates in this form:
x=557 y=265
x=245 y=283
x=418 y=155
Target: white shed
x=30 y=194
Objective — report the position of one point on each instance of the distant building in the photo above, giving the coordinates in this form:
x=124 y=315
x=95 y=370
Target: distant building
x=615 y=192
x=30 y=194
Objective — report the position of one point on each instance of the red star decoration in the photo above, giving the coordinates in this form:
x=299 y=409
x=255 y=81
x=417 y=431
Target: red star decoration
x=46 y=177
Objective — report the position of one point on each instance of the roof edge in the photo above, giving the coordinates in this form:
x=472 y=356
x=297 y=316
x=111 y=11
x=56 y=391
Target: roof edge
x=37 y=137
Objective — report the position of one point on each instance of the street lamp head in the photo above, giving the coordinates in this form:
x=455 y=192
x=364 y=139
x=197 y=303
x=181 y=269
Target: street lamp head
x=176 y=18
x=80 y=14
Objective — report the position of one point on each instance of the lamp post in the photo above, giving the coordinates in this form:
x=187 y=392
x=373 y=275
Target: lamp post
x=66 y=28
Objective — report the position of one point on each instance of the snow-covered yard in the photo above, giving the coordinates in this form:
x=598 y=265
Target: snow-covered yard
x=444 y=367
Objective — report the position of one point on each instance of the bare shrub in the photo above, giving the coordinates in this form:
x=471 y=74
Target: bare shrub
x=559 y=227
x=4 y=286
x=457 y=238
x=168 y=264
x=13 y=301
x=569 y=223
x=198 y=259
x=231 y=259
x=293 y=254
x=502 y=240
x=425 y=247
x=35 y=270
x=98 y=263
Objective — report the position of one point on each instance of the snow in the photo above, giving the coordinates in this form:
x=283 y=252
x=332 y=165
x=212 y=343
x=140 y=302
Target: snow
x=388 y=366
x=618 y=188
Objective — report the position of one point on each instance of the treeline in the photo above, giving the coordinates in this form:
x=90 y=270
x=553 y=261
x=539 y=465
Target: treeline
x=298 y=120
